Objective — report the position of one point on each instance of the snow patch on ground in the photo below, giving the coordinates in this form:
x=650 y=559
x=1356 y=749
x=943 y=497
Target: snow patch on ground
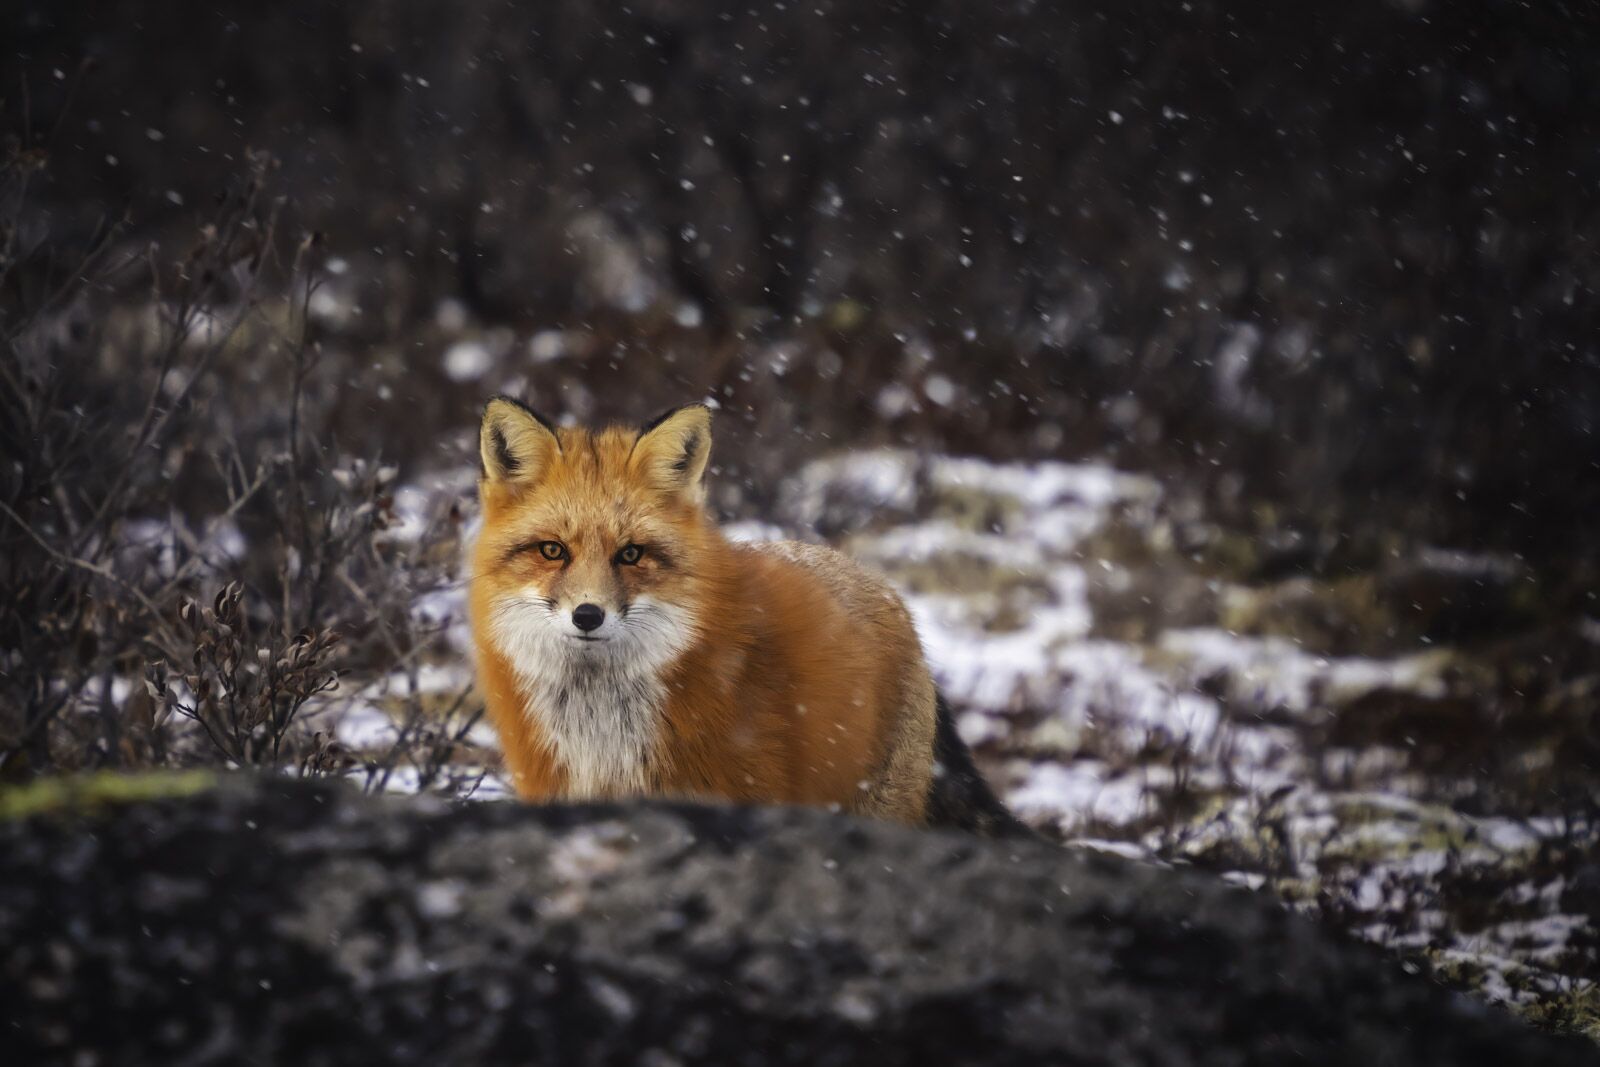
x=1078 y=792
x=1271 y=673
x=1094 y=735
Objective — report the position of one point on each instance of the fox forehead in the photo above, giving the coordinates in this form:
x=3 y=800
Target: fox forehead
x=590 y=492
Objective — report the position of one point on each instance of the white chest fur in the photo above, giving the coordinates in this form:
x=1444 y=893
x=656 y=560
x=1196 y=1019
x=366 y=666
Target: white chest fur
x=598 y=705
x=601 y=720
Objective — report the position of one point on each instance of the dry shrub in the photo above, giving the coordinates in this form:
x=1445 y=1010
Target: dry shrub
x=188 y=563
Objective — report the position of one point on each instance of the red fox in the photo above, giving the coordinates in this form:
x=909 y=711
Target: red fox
x=626 y=648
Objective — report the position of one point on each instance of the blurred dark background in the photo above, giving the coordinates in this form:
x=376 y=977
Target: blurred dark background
x=1338 y=257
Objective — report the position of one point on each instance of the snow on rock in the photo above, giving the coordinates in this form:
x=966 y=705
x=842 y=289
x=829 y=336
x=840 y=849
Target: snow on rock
x=1045 y=484
x=861 y=483
x=1079 y=791
x=1271 y=673
x=752 y=531
x=1001 y=670
x=364 y=726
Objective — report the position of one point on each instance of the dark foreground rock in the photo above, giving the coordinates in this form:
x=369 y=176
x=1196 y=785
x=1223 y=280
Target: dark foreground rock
x=282 y=922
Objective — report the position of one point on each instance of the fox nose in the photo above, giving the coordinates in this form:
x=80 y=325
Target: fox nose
x=588 y=617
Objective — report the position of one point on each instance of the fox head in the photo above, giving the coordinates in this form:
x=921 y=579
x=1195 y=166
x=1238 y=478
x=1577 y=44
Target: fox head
x=595 y=543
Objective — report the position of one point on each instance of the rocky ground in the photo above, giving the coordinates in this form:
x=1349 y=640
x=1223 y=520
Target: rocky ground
x=1135 y=679
x=165 y=920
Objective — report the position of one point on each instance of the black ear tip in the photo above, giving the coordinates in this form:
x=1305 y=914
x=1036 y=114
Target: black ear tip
x=658 y=420
x=502 y=398
x=667 y=414
x=522 y=407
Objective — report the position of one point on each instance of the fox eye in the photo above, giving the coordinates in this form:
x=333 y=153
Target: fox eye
x=552 y=550
x=630 y=554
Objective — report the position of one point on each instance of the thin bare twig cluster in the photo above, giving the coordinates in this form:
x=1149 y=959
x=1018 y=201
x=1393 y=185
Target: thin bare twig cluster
x=245 y=697
x=180 y=542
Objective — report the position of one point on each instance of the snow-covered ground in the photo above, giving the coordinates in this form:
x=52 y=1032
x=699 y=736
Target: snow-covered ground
x=1192 y=742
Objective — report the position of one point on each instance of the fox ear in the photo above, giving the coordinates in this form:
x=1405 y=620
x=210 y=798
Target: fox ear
x=672 y=451
x=515 y=443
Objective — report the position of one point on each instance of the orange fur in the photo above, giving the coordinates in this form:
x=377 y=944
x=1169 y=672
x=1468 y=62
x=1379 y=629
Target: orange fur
x=794 y=676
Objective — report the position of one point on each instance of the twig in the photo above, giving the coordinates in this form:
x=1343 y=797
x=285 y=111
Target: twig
x=92 y=568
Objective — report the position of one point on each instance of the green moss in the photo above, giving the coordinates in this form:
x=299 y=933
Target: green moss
x=846 y=316
x=962 y=574
x=975 y=508
x=1427 y=829
x=1346 y=616
x=1130 y=544
x=1465 y=973
x=90 y=792
x=1573 y=1011
x=1302 y=891
x=1231 y=555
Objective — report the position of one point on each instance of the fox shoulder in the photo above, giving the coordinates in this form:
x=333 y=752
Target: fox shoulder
x=847 y=581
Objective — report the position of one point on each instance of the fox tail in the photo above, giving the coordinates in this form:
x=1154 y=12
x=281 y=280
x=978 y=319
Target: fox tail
x=959 y=798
